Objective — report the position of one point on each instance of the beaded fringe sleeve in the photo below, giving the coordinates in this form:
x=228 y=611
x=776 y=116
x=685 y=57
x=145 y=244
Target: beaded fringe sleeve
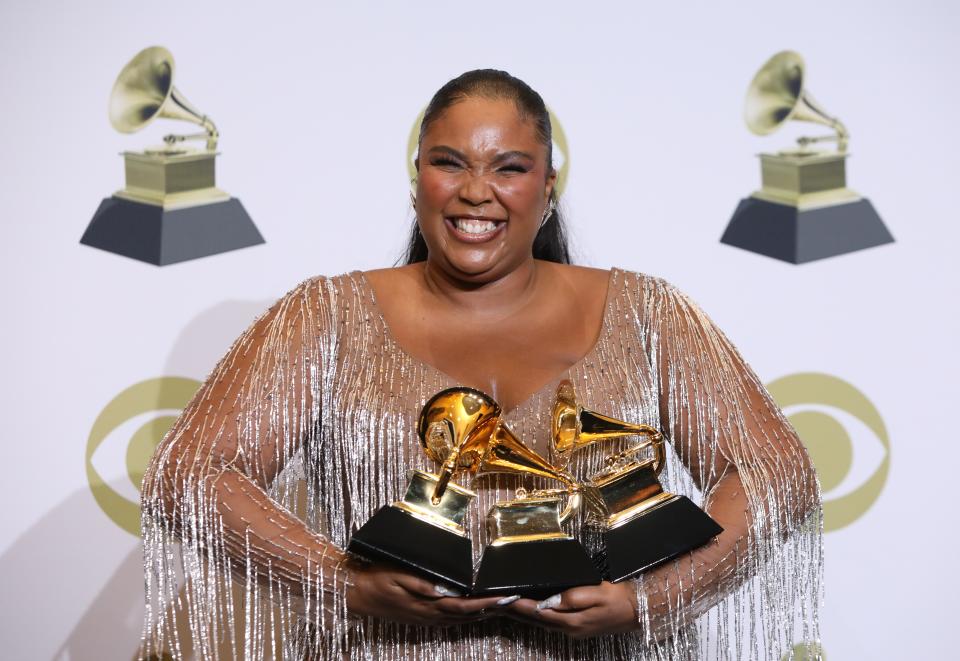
x=307 y=426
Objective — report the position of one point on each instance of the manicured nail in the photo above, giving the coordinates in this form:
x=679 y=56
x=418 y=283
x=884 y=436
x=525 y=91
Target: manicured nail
x=508 y=600
x=549 y=602
x=446 y=592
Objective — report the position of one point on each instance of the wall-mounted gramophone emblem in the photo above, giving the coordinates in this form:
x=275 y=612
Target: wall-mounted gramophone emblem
x=803 y=210
x=170 y=209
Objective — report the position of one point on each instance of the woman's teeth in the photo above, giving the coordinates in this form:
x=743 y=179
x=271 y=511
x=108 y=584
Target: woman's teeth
x=473 y=226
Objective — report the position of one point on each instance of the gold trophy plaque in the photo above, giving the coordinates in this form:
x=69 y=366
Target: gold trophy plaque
x=170 y=209
x=804 y=210
x=641 y=524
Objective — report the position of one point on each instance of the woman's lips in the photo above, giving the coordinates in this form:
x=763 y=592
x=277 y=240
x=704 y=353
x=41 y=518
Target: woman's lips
x=474 y=229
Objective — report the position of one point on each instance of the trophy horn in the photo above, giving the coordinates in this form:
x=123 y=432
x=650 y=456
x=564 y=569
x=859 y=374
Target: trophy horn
x=452 y=425
x=505 y=453
x=144 y=90
x=777 y=95
x=574 y=427
x=462 y=428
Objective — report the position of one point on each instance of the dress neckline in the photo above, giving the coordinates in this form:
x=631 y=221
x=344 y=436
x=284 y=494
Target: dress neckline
x=390 y=339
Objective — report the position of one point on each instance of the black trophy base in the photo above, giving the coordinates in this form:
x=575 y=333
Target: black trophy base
x=534 y=569
x=166 y=236
x=663 y=533
x=394 y=536
x=797 y=236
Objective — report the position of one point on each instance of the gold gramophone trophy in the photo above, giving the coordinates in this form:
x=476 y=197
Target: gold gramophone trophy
x=424 y=531
x=529 y=553
x=804 y=210
x=641 y=524
x=170 y=209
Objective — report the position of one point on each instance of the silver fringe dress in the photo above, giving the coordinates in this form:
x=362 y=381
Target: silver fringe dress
x=307 y=426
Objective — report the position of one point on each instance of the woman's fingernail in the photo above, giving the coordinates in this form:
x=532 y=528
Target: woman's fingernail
x=549 y=602
x=446 y=592
x=508 y=600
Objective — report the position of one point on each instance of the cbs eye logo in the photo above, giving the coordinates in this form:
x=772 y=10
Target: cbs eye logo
x=806 y=652
x=561 y=152
x=138 y=417
x=846 y=438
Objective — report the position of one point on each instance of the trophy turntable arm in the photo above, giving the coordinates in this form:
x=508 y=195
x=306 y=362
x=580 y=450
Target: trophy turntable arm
x=211 y=136
x=841 y=135
x=207 y=484
x=186 y=111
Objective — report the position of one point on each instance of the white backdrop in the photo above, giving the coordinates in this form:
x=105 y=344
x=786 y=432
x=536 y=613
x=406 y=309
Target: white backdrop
x=315 y=103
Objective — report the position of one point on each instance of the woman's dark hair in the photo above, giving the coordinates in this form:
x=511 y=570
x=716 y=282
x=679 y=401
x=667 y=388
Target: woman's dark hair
x=550 y=243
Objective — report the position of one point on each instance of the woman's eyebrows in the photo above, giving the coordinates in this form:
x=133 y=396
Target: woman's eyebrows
x=502 y=156
x=507 y=155
x=443 y=149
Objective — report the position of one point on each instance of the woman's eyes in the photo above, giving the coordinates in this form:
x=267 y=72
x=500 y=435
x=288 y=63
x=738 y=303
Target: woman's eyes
x=445 y=163
x=451 y=164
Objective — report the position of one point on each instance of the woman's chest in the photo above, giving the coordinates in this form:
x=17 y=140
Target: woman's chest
x=378 y=392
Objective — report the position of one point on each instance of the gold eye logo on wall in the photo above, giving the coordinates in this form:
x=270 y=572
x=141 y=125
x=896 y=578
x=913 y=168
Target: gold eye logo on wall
x=806 y=652
x=812 y=402
x=164 y=398
x=561 y=151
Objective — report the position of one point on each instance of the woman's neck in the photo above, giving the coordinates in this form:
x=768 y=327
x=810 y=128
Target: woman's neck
x=503 y=294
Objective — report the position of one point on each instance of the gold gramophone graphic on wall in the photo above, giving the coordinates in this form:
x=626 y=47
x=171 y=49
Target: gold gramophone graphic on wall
x=641 y=524
x=170 y=209
x=804 y=210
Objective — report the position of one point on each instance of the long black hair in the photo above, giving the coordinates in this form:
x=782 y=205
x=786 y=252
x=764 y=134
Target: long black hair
x=550 y=243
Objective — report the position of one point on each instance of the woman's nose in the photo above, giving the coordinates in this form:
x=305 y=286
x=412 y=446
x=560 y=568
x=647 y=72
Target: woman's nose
x=476 y=190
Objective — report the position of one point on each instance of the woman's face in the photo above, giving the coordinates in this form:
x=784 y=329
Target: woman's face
x=482 y=187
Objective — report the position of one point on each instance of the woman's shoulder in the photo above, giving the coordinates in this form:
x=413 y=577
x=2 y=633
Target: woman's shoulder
x=338 y=284
x=648 y=295
x=615 y=273
x=617 y=283
x=394 y=280
x=653 y=286
x=323 y=296
x=638 y=279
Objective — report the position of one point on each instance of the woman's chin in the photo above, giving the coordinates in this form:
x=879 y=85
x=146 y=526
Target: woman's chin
x=476 y=263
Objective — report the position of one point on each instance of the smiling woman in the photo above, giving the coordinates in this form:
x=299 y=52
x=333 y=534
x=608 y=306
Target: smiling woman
x=306 y=428
x=524 y=110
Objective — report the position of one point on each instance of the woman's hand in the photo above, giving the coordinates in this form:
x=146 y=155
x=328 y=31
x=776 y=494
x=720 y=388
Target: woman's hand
x=593 y=610
x=395 y=595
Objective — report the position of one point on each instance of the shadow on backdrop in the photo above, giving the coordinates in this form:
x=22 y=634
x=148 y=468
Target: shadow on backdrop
x=49 y=554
